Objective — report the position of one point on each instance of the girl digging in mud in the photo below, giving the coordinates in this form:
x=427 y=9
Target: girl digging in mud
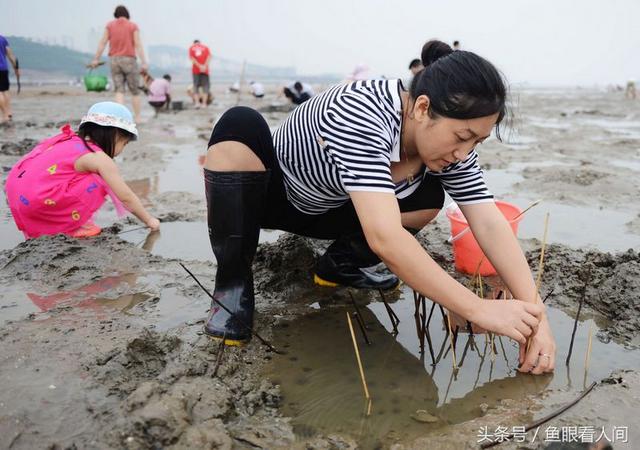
x=63 y=181
x=367 y=164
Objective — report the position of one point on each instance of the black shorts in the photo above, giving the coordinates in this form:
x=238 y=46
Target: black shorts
x=247 y=126
x=4 y=80
x=158 y=104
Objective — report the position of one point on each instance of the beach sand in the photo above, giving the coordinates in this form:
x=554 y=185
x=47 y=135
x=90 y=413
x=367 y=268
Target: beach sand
x=100 y=339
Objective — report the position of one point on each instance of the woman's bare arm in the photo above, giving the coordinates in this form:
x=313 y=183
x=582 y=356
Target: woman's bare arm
x=498 y=242
x=380 y=217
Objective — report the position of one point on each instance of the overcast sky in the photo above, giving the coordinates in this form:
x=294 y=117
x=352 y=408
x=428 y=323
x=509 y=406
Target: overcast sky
x=542 y=42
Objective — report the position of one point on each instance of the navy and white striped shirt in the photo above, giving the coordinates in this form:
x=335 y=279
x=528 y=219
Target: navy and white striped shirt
x=345 y=139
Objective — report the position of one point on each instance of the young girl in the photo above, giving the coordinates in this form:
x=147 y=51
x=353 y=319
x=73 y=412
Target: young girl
x=63 y=181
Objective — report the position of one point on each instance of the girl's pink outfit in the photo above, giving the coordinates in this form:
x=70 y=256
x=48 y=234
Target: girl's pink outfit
x=47 y=195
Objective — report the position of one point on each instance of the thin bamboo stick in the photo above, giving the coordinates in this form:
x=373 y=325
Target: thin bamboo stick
x=588 y=355
x=360 y=319
x=540 y=265
x=392 y=315
x=453 y=348
x=542 y=249
x=244 y=325
x=357 y=352
x=544 y=420
x=575 y=322
x=416 y=316
x=362 y=329
x=548 y=295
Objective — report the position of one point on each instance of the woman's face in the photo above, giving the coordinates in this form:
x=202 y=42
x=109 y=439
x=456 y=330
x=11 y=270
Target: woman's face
x=441 y=141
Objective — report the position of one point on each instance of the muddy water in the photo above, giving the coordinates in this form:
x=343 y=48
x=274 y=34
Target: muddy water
x=411 y=396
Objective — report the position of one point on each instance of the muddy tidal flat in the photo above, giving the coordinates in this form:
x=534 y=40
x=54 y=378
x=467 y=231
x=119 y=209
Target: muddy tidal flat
x=101 y=343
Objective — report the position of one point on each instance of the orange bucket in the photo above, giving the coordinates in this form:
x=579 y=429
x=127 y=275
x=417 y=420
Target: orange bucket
x=467 y=254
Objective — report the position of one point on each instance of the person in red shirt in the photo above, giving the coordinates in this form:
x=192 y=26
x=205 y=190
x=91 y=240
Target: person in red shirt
x=200 y=56
x=124 y=41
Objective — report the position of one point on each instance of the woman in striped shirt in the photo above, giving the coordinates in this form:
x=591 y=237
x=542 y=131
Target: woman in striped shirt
x=367 y=164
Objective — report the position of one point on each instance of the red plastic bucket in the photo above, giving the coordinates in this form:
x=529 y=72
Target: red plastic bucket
x=467 y=254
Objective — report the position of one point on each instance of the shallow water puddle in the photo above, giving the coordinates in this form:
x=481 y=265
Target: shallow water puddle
x=183 y=171
x=323 y=393
x=183 y=240
x=131 y=293
x=10 y=234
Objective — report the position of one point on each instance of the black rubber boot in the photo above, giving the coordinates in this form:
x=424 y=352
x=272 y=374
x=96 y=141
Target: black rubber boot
x=348 y=261
x=235 y=204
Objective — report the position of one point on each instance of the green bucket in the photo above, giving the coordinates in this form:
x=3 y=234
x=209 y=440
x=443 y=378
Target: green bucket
x=95 y=83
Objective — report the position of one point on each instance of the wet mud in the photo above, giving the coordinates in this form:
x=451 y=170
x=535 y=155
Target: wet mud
x=101 y=341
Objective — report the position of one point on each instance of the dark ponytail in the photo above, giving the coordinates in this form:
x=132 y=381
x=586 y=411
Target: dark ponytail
x=433 y=50
x=460 y=84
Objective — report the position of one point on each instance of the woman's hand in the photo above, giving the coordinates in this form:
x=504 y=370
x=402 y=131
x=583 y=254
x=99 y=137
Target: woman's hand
x=513 y=318
x=153 y=223
x=541 y=356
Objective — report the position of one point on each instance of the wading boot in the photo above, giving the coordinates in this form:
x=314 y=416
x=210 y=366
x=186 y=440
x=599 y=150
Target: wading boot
x=349 y=261
x=235 y=204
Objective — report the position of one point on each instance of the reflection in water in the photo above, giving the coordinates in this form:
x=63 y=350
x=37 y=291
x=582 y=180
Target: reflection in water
x=322 y=392
x=91 y=296
x=144 y=187
x=130 y=293
x=321 y=384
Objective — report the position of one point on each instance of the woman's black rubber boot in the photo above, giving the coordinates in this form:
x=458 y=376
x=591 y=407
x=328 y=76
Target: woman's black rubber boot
x=348 y=261
x=235 y=205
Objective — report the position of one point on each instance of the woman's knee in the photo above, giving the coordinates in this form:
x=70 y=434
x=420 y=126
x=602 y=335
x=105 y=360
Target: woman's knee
x=418 y=219
x=240 y=141
x=232 y=156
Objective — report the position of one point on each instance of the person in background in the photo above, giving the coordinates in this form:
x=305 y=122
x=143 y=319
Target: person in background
x=415 y=66
x=456 y=45
x=124 y=41
x=59 y=185
x=235 y=87
x=360 y=72
x=298 y=92
x=5 y=98
x=160 y=93
x=630 y=91
x=257 y=89
x=200 y=57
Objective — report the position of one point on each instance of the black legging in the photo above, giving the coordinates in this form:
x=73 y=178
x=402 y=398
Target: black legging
x=247 y=126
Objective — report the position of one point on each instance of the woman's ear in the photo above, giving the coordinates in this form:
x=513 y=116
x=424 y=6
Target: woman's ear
x=420 y=110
